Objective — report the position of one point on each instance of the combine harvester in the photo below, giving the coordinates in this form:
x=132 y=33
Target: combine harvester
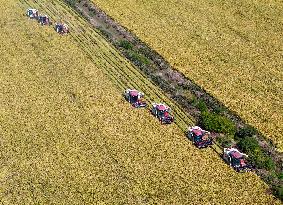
x=135 y=98
x=62 y=28
x=237 y=160
x=163 y=113
x=44 y=20
x=32 y=13
x=200 y=137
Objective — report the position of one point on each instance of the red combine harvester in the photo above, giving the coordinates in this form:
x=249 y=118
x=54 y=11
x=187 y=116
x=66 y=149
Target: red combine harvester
x=200 y=137
x=135 y=98
x=236 y=159
x=62 y=28
x=44 y=20
x=163 y=113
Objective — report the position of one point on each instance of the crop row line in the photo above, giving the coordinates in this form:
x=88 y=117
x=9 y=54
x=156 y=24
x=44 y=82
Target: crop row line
x=122 y=73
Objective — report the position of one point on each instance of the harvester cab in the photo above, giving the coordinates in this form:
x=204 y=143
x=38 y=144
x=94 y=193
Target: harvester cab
x=236 y=159
x=32 y=13
x=44 y=20
x=61 y=28
x=163 y=113
x=200 y=137
x=135 y=98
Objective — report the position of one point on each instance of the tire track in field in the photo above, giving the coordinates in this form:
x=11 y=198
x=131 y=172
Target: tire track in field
x=120 y=71
x=91 y=41
x=117 y=74
x=125 y=176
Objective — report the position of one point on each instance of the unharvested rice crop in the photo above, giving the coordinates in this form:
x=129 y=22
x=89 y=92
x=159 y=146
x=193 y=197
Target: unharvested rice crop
x=233 y=49
x=68 y=137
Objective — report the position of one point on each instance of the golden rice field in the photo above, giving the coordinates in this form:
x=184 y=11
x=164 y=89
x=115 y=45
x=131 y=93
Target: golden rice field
x=233 y=49
x=68 y=137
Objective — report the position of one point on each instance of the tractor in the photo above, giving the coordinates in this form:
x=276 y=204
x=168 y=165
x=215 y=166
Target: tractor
x=163 y=113
x=44 y=20
x=236 y=159
x=61 y=28
x=200 y=137
x=135 y=98
x=32 y=13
